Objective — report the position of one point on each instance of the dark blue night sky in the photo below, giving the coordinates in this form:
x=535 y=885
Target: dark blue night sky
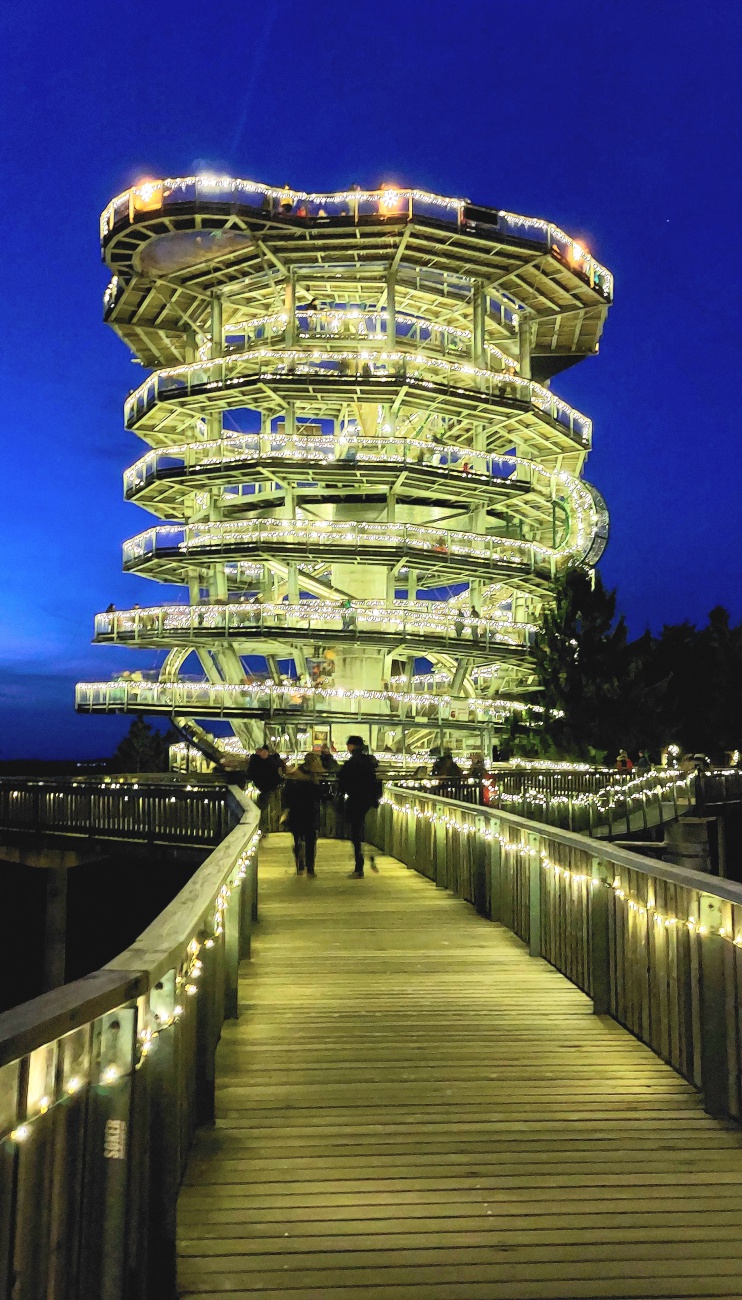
x=619 y=120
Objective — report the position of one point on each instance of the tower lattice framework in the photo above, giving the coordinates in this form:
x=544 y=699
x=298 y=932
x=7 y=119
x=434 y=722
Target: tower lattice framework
x=360 y=473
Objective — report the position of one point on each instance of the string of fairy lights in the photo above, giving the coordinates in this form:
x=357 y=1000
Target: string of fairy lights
x=389 y=201
x=187 y=978
x=174 y=383
x=315 y=534
x=349 y=448
x=369 y=326
x=641 y=909
x=395 y=617
x=130 y=691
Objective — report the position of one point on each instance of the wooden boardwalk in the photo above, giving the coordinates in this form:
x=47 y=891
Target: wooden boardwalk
x=412 y=1108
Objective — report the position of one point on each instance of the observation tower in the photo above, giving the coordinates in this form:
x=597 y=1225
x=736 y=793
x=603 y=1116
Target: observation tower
x=363 y=483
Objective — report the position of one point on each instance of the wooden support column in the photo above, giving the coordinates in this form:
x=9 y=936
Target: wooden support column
x=215 y=329
x=524 y=347
x=462 y=669
x=391 y=309
x=55 y=928
x=290 y=301
x=289 y=422
x=478 y=310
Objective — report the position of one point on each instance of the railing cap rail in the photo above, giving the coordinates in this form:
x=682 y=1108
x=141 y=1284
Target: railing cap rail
x=52 y=1015
x=158 y=949
x=728 y=890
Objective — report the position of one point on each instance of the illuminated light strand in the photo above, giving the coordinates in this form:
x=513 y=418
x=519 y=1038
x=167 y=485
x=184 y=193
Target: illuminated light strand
x=186 y=979
x=136 y=691
x=315 y=361
x=316 y=533
x=429 y=617
x=644 y=909
x=337 y=321
x=153 y=195
x=585 y=516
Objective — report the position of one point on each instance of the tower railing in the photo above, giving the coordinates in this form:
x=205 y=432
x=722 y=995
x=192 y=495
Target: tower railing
x=352 y=207
x=352 y=620
x=155 y=811
x=210 y=379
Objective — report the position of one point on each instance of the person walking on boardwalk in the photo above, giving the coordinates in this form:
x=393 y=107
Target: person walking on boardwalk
x=359 y=784
x=263 y=771
x=302 y=795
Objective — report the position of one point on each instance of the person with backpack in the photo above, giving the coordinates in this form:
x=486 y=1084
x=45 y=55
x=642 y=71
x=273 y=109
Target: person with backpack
x=359 y=785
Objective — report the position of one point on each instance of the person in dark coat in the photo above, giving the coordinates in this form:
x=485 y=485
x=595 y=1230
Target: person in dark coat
x=302 y=795
x=359 y=785
x=446 y=765
x=264 y=774
x=328 y=759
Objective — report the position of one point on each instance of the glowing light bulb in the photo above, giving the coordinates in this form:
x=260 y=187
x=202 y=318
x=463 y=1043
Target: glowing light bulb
x=21 y=1134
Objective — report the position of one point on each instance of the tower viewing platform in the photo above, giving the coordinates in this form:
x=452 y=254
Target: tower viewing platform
x=364 y=486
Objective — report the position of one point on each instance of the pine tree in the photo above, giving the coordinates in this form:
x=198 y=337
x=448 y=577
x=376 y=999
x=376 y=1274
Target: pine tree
x=143 y=749
x=582 y=661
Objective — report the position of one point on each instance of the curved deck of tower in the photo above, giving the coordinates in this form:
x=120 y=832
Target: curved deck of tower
x=358 y=468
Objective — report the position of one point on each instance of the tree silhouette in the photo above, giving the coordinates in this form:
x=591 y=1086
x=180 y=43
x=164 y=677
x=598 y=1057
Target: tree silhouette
x=143 y=748
x=581 y=657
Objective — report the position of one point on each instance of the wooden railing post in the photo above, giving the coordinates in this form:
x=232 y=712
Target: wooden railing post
x=207 y=1036
x=600 y=942
x=246 y=909
x=534 y=894
x=481 y=870
x=104 y=1258
x=440 y=852
x=232 y=919
x=166 y=1127
x=495 y=872
x=715 y=1075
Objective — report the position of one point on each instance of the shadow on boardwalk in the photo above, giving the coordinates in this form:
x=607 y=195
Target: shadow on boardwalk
x=412 y=1108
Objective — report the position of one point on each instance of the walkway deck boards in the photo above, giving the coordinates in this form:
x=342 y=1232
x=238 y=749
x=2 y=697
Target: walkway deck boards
x=412 y=1108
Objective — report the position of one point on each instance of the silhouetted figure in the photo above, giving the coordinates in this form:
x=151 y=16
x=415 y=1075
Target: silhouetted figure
x=302 y=796
x=359 y=783
x=264 y=774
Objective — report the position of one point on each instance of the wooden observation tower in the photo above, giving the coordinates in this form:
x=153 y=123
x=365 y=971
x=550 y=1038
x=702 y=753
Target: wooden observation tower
x=364 y=486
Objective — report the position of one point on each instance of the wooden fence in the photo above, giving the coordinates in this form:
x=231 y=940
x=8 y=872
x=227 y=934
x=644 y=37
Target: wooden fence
x=597 y=801
x=657 y=947
x=161 y=811
x=102 y=1083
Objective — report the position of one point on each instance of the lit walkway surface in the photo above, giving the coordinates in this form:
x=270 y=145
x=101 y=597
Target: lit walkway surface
x=411 y=1106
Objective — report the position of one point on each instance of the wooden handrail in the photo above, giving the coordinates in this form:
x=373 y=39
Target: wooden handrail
x=102 y=1083
x=656 y=946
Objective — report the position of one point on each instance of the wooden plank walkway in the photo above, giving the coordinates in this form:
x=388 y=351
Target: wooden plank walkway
x=412 y=1108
